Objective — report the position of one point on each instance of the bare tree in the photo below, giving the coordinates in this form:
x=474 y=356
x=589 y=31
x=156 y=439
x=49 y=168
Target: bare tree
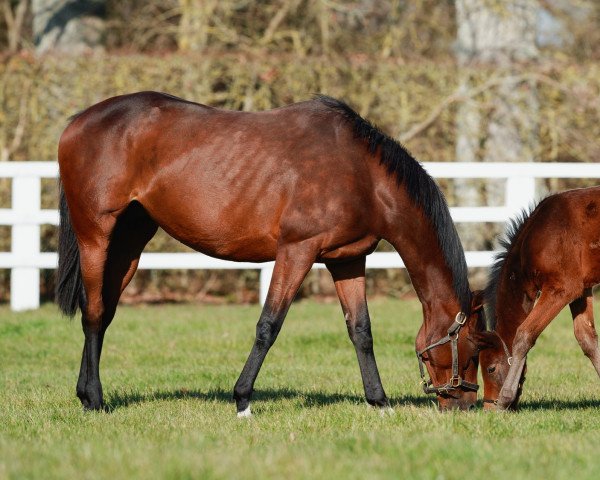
x=195 y=23
x=14 y=18
x=500 y=36
x=69 y=26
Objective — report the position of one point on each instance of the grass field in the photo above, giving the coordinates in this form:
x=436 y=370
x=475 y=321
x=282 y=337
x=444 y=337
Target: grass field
x=168 y=372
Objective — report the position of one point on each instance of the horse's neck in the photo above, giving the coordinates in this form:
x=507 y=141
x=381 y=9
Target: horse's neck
x=417 y=243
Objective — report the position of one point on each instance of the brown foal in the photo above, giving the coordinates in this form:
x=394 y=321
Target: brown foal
x=551 y=259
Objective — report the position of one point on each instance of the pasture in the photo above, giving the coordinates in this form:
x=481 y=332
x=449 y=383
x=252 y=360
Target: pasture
x=168 y=373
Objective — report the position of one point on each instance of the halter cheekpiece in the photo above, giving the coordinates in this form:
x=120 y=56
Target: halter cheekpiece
x=456 y=382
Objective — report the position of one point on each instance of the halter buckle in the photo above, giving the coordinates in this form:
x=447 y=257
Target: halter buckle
x=455 y=382
x=461 y=318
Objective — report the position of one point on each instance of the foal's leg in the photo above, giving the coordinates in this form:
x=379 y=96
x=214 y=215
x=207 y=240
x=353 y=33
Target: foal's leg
x=292 y=263
x=106 y=271
x=582 y=310
x=349 y=281
x=548 y=306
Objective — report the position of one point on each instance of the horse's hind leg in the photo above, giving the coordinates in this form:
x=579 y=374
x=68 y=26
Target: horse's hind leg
x=107 y=267
x=349 y=281
x=582 y=310
x=292 y=263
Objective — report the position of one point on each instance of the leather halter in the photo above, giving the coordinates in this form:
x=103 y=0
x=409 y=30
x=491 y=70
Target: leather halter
x=456 y=382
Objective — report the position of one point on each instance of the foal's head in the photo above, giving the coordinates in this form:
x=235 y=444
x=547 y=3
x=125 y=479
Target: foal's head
x=495 y=359
x=509 y=298
x=495 y=362
x=453 y=374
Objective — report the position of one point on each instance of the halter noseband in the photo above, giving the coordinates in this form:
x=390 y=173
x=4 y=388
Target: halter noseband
x=456 y=382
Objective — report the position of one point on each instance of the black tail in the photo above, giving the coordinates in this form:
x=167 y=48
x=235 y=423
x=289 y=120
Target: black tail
x=69 y=293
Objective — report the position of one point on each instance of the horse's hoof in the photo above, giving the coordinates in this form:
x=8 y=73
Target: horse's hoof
x=386 y=411
x=90 y=402
x=245 y=413
x=93 y=408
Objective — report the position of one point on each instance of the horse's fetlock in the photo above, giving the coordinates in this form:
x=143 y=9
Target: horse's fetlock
x=378 y=399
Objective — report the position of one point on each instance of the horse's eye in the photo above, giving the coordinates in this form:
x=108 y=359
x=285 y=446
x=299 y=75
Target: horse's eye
x=491 y=369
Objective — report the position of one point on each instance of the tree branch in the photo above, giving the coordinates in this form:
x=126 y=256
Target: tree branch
x=459 y=96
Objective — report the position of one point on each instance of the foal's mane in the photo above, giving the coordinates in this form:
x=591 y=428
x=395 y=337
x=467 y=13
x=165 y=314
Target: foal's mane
x=507 y=241
x=420 y=187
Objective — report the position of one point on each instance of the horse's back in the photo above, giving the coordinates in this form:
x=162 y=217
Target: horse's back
x=205 y=174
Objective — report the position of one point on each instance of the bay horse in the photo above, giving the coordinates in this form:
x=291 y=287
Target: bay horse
x=310 y=182
x=551 y=259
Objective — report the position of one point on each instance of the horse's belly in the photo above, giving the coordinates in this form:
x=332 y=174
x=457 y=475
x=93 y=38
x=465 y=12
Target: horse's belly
x=239 y=249
x=355 y=249
x=205 y=230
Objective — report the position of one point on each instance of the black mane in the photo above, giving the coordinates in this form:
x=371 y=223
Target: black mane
x=420 y=187
x=514 y=227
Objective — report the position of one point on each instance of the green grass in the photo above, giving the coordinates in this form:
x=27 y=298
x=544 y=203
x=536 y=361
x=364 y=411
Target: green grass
x=168 y=372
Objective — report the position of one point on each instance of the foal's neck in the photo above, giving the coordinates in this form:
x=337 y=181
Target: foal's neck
x=512 y=304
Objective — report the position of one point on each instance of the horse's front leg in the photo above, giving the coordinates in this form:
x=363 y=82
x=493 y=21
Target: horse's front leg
x=349 y=281
x=292 y=263
x=549 y=305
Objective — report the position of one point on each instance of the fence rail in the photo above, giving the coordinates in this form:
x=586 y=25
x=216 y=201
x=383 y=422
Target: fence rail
x=25 y=217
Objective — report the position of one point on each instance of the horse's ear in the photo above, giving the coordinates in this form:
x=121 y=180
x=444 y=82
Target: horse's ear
x=476 y=301
x=477 y=308
x=484 y=339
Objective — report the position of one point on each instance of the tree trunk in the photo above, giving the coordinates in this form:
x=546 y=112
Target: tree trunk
x=498 y=35
x=14 y=19
x=68 y=26
x=195 y=23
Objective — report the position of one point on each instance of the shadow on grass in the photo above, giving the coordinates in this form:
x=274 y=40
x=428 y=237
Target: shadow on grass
x=557 y=404
x=308 y=399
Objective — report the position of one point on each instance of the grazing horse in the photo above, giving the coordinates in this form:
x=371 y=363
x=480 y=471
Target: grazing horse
x=551 y=259
x=310 y=182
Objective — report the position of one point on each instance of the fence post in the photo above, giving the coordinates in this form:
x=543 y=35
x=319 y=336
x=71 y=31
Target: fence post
x=24 y=280
x=520 y=193
x=266 y=273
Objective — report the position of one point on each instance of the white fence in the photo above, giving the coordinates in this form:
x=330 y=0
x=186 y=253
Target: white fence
x=25 y=260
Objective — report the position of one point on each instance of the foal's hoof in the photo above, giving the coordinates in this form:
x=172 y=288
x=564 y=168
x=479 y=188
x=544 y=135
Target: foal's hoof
x=505 y=401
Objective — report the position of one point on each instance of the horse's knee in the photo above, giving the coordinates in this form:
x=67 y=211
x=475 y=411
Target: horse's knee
x=266 y=332
x=360 y=334
x=588 y=341
x=523 y=342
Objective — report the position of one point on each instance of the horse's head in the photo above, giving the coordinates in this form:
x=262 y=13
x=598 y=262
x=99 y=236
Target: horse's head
x=451 y=359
